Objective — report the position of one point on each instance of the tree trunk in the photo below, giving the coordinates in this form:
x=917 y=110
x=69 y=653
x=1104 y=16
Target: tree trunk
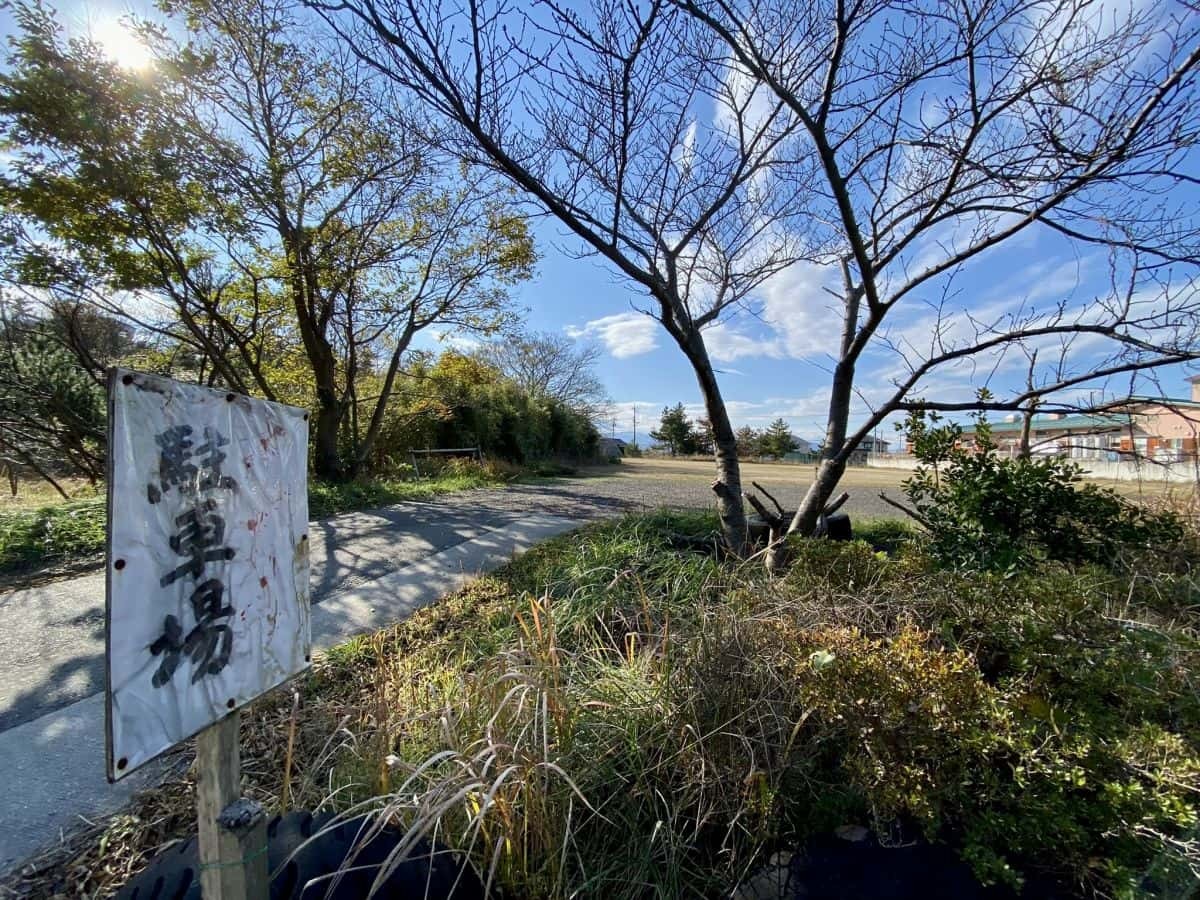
x=833 y=455
x=312 y=321
x=829 y=473
x=327 y=460
x=731 y=509
x=385 y=394
x=1023 y=449
x=834 y=452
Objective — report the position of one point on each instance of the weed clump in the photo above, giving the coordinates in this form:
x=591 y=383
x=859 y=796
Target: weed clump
x=610 y=715
x=624 y=717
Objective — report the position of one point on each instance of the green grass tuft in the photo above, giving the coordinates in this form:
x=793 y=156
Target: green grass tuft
x=51 y=533
x=71 y=531
x=613 y=715
x=885 y=535
x=330 y=498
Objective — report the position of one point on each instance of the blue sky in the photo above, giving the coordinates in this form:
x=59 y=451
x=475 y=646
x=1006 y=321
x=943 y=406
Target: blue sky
x=768 y=370
x=773 y=360
x=640 y=365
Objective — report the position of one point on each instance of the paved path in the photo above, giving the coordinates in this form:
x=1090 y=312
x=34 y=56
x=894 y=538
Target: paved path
x=53 y=764
x=369 y=569
x=52 y=636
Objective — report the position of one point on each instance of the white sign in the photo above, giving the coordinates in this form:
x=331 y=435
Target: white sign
x=208 y=598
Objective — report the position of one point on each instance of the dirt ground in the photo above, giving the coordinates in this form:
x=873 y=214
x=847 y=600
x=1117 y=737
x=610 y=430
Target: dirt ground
x=653 y=482
x=765 y=473
x=858 y=480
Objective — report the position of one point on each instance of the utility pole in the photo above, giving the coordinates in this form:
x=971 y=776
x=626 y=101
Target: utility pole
x=635 y=424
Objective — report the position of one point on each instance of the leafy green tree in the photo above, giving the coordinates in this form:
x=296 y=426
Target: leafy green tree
x=675 y=431
x=983 y=511
x=777 y=440
x=460 y=400
x=749 y=442
x=254 y=185
x=933 y=443
x=52 y=412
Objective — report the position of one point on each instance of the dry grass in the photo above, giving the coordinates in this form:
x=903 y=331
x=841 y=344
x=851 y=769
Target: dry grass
x=610 y=717
x=660 y=467
x=856 y=477
x=33 y=493
x=95 y=860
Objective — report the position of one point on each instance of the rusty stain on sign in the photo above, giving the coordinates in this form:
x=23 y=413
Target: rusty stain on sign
x=196 y=628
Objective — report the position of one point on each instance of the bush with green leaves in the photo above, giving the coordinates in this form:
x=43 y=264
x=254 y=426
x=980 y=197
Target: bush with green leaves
x=66 y=531
x=618 y=713
x=628 y=717
x=985 y=511
x=52 y=410
x=461 y=401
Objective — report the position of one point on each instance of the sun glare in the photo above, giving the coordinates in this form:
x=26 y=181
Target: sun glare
x=122 y=45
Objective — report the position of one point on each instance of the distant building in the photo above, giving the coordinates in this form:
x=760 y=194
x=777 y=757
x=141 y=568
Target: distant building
x=610 y=448
x=1158 y=428
x=872 y=444
x=868 y=446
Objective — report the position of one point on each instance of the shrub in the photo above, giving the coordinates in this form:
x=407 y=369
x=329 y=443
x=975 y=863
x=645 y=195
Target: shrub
x=1083 y=691
x=52 y=533
x=911 y=725
x=885 y=535
x=986 y=512
x=611 y=715
x=633 y=718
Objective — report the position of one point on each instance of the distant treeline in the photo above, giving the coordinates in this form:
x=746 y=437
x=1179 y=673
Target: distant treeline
x=52 y=401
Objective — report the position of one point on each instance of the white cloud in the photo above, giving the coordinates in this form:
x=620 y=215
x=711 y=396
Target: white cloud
x=799 y=319
x=625 y=334
x=685 y=151
x=1049 y=279
x=726 y=344
x=744 y=105
x=807 y=321
x=455 y=340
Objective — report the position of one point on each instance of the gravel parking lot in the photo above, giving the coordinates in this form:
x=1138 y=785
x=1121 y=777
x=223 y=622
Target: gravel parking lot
x=650 y=483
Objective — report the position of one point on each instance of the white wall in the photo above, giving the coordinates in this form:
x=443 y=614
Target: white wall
x=891 y=461
x=1124 y=470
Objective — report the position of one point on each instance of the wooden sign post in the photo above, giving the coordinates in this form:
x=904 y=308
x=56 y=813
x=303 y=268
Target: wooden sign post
x=232 y=829
x=207 y=593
